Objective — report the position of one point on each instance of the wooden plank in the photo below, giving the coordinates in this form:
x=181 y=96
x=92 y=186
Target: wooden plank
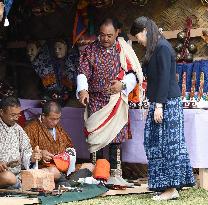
x=173 y=34
x=168 y=35
x=200 y=58
x=18 y=201
x=17 y=44
x=134 y=190
x=203 y=178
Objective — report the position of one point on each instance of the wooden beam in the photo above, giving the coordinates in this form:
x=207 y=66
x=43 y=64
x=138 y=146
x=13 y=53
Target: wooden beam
x=17 y=44
x=197 y=32
x=200 y=58
x=173 y=34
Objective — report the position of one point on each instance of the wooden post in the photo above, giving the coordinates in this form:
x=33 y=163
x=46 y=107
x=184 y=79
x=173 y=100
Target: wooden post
x=203 y=178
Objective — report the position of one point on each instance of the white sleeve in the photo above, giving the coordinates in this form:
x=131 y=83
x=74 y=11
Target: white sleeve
x=25 y=148
x=82 y=84
x=130 y=81
x=72 y=160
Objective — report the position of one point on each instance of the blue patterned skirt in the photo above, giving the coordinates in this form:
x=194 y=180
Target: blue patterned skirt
x=168 y=160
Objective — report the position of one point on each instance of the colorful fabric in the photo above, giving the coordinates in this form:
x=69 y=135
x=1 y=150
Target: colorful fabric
x=62 y=161
x=7 y=6
x=56 y=74
x=40 y=136
x=196 y=66
x=14 y=146
x=81 y=20
x=103 y=125
x=130 y=62
x=101 y=66
x=168 y=160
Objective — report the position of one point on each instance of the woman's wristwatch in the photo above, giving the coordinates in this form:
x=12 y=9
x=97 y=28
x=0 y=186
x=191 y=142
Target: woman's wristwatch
x=158 y=105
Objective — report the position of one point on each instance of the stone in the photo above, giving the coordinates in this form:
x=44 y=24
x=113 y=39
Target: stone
x=37 y=179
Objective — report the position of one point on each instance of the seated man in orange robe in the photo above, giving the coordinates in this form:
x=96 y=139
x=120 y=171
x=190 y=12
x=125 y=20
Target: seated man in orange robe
x=48 y=134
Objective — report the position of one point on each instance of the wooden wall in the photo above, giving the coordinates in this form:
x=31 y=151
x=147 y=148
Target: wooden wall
x=167 y=16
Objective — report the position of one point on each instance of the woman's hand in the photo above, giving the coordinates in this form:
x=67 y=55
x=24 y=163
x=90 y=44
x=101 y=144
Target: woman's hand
x=158 y=115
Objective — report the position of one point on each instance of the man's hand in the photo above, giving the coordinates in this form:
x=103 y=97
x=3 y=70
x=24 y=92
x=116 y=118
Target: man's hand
x=116 y=87
x=46 y=156
x=36 y=155
x=158 y=115
x=83 y=97
x=3 y=167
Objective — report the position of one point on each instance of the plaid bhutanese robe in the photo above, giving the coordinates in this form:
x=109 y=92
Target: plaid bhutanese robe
x=40 y=136
x=101 y=66
x=14 y=146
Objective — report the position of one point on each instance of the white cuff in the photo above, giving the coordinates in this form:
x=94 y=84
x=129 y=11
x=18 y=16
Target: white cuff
x=72 y=165
x=130 y=81
x=82 y=84
x=26 y=161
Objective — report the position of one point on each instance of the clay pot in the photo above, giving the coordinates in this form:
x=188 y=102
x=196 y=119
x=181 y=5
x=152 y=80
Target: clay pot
x=181 y=36
x=192 y=48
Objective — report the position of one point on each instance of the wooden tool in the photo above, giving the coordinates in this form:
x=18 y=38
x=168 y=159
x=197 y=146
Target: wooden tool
x=36 y=161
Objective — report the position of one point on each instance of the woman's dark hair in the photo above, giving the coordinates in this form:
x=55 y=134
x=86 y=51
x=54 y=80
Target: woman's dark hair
x=9 y=101
x=153 y=34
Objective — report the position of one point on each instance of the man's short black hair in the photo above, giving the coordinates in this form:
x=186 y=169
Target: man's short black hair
x=9 y=101
x=51 y=106
x=113 y=21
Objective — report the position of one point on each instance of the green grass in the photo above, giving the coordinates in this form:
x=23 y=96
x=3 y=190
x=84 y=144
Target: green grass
x=191 y=196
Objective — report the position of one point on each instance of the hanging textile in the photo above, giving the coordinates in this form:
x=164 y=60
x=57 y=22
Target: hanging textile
x=81 y=20
x=7 y=7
